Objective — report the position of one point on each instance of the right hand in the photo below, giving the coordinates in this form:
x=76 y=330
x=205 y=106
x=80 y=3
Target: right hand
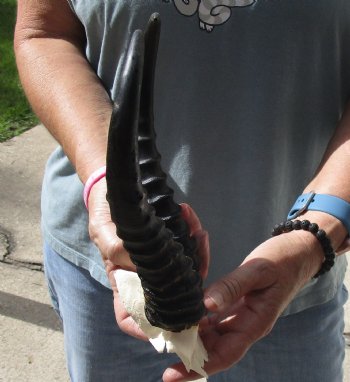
x=201 y=237
x=103 y=231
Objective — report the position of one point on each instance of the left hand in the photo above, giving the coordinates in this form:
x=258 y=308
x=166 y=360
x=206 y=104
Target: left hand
x=246 y=303
x=124 y=320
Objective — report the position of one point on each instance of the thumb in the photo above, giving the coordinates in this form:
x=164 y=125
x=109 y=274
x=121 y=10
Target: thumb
x=251 y=275
x=191 y=218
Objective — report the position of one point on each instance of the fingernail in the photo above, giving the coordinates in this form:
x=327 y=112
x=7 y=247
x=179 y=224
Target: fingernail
x=214 y=298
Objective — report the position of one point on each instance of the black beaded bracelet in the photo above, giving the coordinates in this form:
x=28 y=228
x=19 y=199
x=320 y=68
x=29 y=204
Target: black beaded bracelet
x=320 y=234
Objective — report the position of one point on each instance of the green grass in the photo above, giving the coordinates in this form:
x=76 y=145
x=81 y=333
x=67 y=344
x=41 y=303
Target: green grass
x=15 y=113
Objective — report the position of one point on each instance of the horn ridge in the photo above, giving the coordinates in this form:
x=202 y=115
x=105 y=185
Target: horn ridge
x=154 y=179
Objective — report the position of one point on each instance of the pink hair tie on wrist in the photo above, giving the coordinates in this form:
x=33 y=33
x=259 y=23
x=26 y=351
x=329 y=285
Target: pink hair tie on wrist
x=92 y=180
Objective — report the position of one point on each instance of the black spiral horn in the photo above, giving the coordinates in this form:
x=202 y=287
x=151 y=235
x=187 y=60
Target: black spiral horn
x=148 y=220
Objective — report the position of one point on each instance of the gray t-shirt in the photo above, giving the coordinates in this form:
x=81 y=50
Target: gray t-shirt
x=247 y=96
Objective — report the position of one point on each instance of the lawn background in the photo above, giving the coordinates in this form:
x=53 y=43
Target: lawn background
x=15 y=113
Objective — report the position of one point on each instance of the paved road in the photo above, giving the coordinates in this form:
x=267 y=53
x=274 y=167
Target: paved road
x=31 y=339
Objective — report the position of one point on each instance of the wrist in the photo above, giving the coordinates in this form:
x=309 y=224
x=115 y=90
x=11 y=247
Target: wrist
x=90 y=153
x=89 y=166
x=311 y=249
x=294 y=257
x=311 y=255
x=333 y=227
x=323 y=228
x=92 y=180
x=330 y=204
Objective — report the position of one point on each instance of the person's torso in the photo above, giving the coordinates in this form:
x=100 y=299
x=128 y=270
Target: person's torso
x=247 y=95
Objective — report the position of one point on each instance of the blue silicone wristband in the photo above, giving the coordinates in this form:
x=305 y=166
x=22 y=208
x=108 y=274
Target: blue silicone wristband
x=330 y=204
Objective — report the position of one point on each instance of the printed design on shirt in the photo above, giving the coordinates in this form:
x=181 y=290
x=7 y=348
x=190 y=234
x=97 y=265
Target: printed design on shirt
x=210 y=12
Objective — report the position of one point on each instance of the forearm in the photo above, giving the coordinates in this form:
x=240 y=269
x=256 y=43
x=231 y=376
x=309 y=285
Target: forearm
x=66 y=95
x=333 y=174
x=333 y=178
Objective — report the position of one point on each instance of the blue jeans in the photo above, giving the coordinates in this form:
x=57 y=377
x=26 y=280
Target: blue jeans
x=307 y=346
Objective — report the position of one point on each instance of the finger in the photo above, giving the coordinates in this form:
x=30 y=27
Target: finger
x=178 y=373
x=112 y=248
x=103 y=231
x=253 y=274
x=200 y=235
x=223 y=353
x=202 y=239
x=225 y=350
x=125 y=322
x=191 y=218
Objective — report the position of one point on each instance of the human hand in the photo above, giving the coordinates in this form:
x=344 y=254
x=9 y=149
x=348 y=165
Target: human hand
x=124 y=320
x=245 y=304
x=201 y=236
x=103 y=233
